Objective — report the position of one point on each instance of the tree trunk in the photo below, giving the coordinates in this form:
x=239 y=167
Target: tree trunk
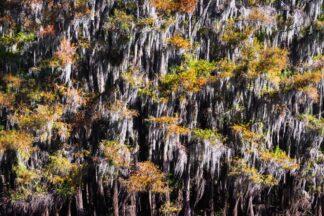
x=187 y=211
x=115 y=198
x=211 y=199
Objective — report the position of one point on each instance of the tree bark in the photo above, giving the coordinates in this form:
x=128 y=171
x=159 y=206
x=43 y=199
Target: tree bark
x=187 y=211
x=115 y=197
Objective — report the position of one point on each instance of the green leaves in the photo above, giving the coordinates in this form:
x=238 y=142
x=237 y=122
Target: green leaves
x=12 y=44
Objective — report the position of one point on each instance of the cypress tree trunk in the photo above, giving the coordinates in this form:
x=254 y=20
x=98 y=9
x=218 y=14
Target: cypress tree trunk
x=115 y=197
x=187 y=208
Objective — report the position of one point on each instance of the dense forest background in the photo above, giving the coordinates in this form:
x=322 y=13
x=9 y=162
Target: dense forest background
x=161 y=107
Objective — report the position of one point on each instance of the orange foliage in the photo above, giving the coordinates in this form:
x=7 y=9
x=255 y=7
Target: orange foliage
x=303 y=80
x=12 y=80
x=311 y=92
x=15 y=140
x=186 y=6
x=6 y=100
x=47 y=31
x=146 y=178
x=164 y=120
x=176 y=129
x=246 y=134
x=66 y=52
x=179 y=42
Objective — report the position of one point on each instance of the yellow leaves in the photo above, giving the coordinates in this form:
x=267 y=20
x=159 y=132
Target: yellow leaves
x=171 y=124
x=27 y=182
x=47 y=96
x=121 y=22
x=63 y=175
x=247 y=134
x=313 y=123
x=59 y=169
x=241 y=168
x=269 y=180
x=179 y=42
x=305 y=83
x=305 y=79
x=39 y=118
x=208 y=134
x=164 y=120
x=190 y=81
x=81 y=8
x=6 y=100
x=121 y=109
x=257 y=15
x=24 y=175
x=63 y=129
x=12 y=81
x=169 y=208
x=190 y=77
x=254 y=61
x=311 y=93
x=117 y=153
x=16 y=140
x=232 y=35
x=44 y=121
x=176 y=129
x=226 y=68
x=147 y=177
x=134 y=78
x=319 y=25
x=272 y=62
x=279 y=157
